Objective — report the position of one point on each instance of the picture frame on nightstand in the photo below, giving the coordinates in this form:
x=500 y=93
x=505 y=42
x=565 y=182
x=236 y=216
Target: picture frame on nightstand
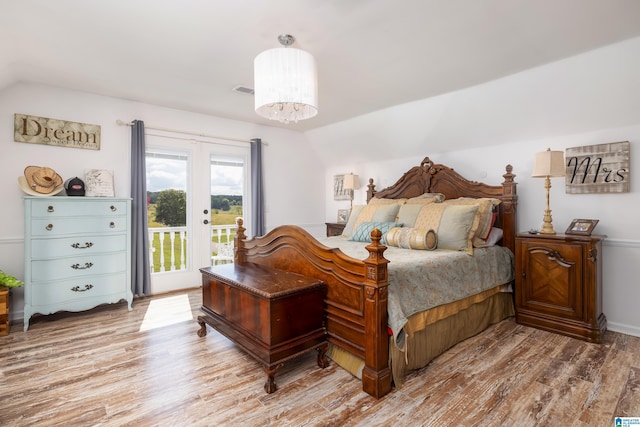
x=343 y=215
x=582 y=227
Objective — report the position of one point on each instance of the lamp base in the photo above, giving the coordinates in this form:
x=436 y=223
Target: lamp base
x=547 y=224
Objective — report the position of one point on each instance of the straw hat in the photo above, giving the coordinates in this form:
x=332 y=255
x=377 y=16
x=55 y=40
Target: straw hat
x=40 y=181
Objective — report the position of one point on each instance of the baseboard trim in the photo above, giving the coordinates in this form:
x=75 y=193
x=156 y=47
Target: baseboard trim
x=624 y=329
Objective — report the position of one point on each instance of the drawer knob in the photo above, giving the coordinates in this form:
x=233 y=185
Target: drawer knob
x=112 y=224
x=49 y=227
x=79 y=245
x=87 y=265
x=86 y=288
x=113 y=208
x=50 y=208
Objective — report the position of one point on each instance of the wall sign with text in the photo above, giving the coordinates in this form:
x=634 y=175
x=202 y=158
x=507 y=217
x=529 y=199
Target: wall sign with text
x=602 y=168
x=42 y=130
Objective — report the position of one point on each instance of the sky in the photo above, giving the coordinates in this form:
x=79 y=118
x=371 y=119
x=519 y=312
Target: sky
x=171 y=173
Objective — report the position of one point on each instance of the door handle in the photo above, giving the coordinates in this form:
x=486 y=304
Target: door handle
x=205 y=211
x=206 y=221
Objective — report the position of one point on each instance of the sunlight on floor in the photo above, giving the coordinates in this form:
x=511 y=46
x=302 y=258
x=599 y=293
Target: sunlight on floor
x=167 y=311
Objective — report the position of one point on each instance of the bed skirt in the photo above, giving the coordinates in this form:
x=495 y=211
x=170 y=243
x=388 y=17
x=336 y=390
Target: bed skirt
x=429 y=335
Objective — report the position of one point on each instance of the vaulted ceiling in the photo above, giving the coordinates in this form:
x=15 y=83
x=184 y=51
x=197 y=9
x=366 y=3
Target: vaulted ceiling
x=371 y=54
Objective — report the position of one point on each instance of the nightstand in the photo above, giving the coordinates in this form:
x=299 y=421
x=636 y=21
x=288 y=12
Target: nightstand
x=335 y=228
x=559 y=284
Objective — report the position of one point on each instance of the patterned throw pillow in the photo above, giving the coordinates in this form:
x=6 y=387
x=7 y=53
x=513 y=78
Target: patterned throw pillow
x=412 y=238
x=363 y=232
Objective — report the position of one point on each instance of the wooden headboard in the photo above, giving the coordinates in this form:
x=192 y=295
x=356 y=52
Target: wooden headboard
x=436 y=178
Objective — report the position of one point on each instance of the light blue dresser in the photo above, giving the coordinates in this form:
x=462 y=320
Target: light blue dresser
x=77 y=253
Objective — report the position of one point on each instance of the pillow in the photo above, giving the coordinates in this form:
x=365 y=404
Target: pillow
x=484 y=215
x=456 y=231
x=353 y=216
x=495 y=235
x=454 y=224
x=494 y=216
x=433 y=197
x=363 y=232
x=366 y=214
x=412 y=238
x=385 y=213
x=408 y=213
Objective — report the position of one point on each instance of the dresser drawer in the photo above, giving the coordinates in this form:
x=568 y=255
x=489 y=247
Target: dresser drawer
x=78 y=246
x=81 y=266
x=55 y=209
x=52 y=293
x=83 y=225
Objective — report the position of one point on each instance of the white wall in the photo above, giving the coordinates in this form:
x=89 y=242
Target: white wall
x=585 y=100
x=289 y=164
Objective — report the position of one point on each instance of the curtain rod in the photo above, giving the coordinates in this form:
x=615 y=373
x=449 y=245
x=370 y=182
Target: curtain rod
x=123 y=123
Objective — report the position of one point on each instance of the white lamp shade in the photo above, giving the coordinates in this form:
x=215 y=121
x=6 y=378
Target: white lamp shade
x=351 y=182
x=286 y=85
x=549 y=163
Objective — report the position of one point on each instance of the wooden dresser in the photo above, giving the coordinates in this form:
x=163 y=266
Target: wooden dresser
x=274 y=315
x=77 y=253
x=559 y=284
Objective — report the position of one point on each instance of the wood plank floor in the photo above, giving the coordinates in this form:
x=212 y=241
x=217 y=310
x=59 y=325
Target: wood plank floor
x=112 y=367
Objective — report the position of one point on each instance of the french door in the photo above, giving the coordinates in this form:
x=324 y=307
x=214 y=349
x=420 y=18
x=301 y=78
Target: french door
x=187 y=184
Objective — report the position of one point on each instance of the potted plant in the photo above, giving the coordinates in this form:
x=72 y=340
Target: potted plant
x=9 y=281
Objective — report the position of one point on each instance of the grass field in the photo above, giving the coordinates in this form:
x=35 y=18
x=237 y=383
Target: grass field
x=218 y=217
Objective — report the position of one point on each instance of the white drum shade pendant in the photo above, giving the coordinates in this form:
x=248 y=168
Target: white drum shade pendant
x=286 y=83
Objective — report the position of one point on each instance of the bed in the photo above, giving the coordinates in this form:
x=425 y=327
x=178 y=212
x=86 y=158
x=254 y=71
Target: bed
x=361 y=289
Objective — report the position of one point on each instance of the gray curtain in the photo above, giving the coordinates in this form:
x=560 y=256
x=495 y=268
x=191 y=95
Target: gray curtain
x=140 y=268
x=257 y=195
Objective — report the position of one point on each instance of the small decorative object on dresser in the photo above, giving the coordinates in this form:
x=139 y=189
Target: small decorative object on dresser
x=77 y=253
x=582 y=227
x=335 y=228
x=559 y=284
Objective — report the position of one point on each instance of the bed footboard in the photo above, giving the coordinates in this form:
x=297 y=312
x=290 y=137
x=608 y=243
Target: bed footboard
x=356 y=304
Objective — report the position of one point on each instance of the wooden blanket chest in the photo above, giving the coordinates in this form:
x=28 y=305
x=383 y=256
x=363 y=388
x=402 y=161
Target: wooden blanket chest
x=274 y=315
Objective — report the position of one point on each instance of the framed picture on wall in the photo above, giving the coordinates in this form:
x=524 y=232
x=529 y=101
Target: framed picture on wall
x=583 y=227
x=339 y=192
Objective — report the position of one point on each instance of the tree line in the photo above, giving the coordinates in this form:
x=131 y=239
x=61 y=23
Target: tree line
x=171 y=205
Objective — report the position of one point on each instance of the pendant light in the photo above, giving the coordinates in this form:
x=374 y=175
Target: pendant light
x=286 y=83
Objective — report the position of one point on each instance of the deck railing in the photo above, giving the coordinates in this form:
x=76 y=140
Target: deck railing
x=167 y=247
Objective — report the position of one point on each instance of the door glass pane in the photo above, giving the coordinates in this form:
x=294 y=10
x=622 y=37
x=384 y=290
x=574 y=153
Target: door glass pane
x=227 y=189
x=167 y=209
